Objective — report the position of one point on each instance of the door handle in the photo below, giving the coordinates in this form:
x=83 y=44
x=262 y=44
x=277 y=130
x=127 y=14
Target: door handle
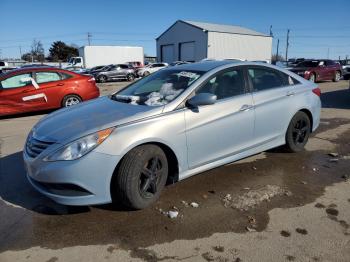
x=26 y=91
x=246 y=108
x=60 y=84
x=290 y=93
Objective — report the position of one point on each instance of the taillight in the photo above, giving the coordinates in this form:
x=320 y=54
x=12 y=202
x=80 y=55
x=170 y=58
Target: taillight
x=317 y=91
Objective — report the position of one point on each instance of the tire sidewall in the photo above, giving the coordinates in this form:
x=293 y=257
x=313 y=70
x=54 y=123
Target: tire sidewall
x=135 y=199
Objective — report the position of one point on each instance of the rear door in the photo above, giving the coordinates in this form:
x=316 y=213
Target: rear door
x=274 y=95
x=50 y=86
x=18 y=95
x=224 y=128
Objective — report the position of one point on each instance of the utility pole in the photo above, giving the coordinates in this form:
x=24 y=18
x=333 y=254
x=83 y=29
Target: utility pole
x=328 y=53
x=278 y=45
x=89 y=38
x=271 y=34
x=287 y=45
x=20 y=52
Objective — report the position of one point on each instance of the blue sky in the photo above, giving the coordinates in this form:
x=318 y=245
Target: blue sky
x=316 y=26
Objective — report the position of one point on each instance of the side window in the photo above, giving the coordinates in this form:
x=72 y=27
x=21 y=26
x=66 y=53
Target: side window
x=225 y=84
x=288 y=80
x=65 y=76
x=16 y=81
x=45 y=77
x=263 y=79
x=123 y=66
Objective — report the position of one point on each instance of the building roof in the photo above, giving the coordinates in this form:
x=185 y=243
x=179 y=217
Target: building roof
x=231 y=29
x=210 y=27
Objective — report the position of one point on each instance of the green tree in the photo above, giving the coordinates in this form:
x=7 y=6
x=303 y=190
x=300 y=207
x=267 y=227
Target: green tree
x=59 y=51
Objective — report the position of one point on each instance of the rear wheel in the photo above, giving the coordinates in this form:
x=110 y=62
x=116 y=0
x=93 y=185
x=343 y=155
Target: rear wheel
x=337 y=76
x=71 y=100
x=141 y=176
x=298 y=132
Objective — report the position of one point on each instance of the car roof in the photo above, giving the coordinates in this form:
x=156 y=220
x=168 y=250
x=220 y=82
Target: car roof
x=206 y=65
x=31 y=69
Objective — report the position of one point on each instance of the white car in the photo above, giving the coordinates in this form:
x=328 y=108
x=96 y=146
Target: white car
x=151 y=68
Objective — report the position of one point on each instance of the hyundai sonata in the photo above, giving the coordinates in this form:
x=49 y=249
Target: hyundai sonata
x=175 y=123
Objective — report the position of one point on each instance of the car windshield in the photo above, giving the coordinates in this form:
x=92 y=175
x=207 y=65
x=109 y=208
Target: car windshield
x=159 y=88
x=308 y=64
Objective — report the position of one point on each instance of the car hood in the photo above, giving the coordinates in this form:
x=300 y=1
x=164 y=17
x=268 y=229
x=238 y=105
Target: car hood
x=71 y=123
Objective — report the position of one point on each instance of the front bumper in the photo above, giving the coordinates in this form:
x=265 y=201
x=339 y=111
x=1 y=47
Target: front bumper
x=91 y=175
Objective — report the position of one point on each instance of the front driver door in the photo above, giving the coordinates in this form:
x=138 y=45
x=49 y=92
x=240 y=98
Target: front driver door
x=18 y=95
x=224 y=128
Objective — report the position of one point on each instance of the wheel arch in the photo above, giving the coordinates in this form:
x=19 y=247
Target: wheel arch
x=309 y=114
x=173 y=163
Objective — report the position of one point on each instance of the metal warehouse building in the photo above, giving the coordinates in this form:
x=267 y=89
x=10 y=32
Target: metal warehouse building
x=194 y=41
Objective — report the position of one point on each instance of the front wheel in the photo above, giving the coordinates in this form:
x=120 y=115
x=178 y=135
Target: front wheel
x=141 y=176
x=337 y=76
x=312 y=78
x=298 y=132
x=130 y=77
x=102 y=79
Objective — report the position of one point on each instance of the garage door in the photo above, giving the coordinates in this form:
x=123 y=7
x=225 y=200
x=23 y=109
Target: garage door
x=187 y=51
x=167 y=53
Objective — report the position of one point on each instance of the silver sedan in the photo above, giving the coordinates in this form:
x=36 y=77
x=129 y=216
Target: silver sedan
x=170 y=125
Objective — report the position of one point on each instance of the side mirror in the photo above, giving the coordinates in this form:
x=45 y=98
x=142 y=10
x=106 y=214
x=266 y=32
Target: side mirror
x=202 y=99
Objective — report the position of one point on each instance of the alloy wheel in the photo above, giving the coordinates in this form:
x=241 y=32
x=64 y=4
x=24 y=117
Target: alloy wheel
x=300 y=131
x=150 y=177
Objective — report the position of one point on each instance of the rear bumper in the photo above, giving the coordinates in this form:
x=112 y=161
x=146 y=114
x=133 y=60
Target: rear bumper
x=85 y=181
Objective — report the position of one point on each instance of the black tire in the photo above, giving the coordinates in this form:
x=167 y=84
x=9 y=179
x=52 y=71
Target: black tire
x=337 y=76
x=141 y=176
x=146 y=73
x=346 y=77
x=70 y=100
x=298 y=132
x=102 y=79
x=130 y=77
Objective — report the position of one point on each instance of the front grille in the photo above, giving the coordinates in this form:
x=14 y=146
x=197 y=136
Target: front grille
x=34 y=146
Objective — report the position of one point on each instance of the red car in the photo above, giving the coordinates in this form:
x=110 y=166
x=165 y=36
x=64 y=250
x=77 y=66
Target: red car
x=37 y=88
x=318 y=70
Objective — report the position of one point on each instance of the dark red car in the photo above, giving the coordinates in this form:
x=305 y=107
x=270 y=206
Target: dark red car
x=37 y=88
x=318 y=70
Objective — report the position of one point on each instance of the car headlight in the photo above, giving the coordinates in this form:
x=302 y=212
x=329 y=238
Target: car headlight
x=80 y=147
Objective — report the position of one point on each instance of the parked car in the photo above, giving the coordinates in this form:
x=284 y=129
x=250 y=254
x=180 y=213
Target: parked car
x=151 y=68
x=115 y=72
x=345 y=64
x=176 y=63
x=93 y=70
x=318 y=70
x=136 y=65
x=175 y=123
x=39 y=88
x=6 y=69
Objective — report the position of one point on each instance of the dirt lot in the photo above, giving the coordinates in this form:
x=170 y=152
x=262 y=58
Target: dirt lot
x=274 y=206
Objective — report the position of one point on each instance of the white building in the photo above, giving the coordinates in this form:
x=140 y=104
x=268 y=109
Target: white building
x=194 y=41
